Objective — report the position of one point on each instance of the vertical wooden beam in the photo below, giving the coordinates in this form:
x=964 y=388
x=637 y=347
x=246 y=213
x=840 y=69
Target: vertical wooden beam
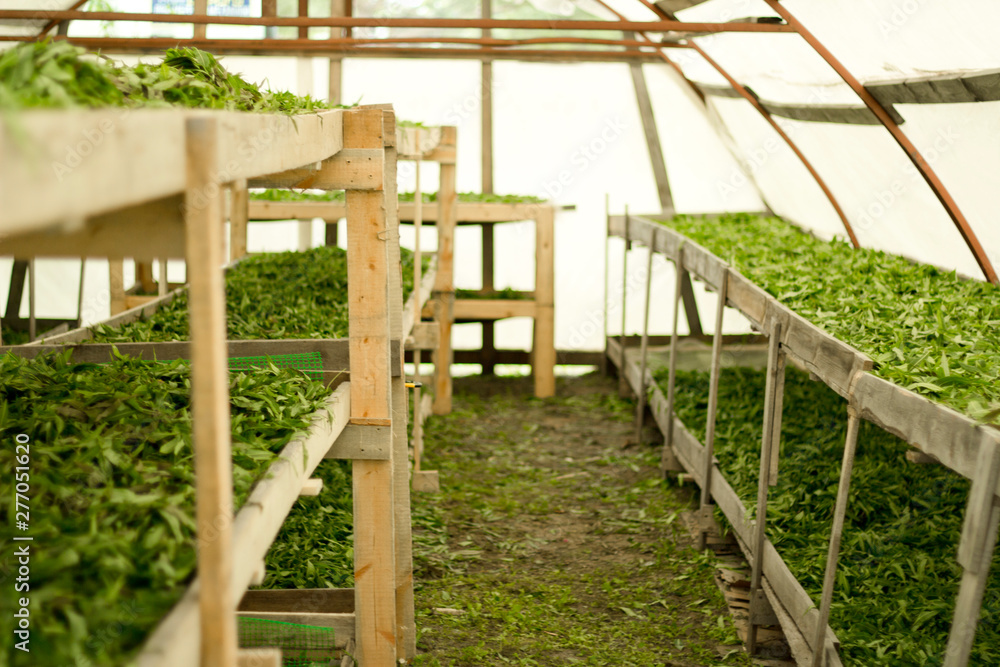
x=18 y=273
x=337 y=8
x=406 y=635
x=269 y=8
x=239 y=215
x=623 y=390
x=116 y=284
x=668 y=442
x=975 y=553
x=640 y=411
x=691 y=307
x=713 y=406
x=330 y=232
x=836 y=532
x=653 y=145
x=544 y=345
x=303 y=13
x=163 y=284
x=144 y=276
x=444 y=287
x=32 y=290
x=488 y=354
x=374 y=508
x=774 y=368
x=200 y=9
x=607 y=278
x=79 y=294
x=210 y=394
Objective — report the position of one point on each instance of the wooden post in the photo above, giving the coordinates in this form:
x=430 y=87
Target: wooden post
x=488 y=354
x=18 y=274
x=836 y=532
x=444 y=287
x=713 y=406
x=79 y=295
x=116 y=284
x=775 y=367
x=374 y=508
x=144 y=276
x=238 y=219
x=418 y=221
x=607 y=278
x=486 y=116
x=623 y=390
x=406 y=630
x=32 y=288
x=975 y=553
x=210 y=394
x=163 y=284
x=668 y=442
x=691 y=307
x=330 y=232
x=544 y=346
x=640 y=412
x=337 y=8
x=303 y=13
x=200 y=9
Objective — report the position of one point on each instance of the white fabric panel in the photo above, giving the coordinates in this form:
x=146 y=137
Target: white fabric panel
x=697 y=160
x=886 y=200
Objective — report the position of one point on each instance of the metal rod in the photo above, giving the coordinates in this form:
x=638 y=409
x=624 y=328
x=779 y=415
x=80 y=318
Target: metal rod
x=668 y=442
x=640 y=412
x=916 y=157
x=379 y=22
x=713 y=405
x=836 y=532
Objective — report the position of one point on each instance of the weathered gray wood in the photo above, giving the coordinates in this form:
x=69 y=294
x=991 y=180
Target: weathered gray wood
x=18 y=272
x=747 y=298
x=951 y=437
x=640 y=408
x=836 y=532
x=976 y=526
x=778 y=407
x=653 y=145
x=767 y=436
x=622 y=383
x=713 y=405
x=679 y=268
x=691 y=307
x=970 y=594
x=835 y=362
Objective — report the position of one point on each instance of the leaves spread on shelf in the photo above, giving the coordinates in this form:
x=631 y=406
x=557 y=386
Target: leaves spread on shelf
x=428 y=197
x=112 y=488
x=897 y=574
x=926 y=329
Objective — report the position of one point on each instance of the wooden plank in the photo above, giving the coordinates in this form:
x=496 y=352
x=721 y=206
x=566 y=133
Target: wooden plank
x=116 y=285
x=470 y=213
x=748 y=298
x=18 y=272
x=976 y=525
x=349 y=169
x=521 y=357
x=691 y=306
x=445 y=286
x=238 y=219
x=144 y=276
x=968 y=605
x=653 y=146
x=258 y=657
x=210 y=395
x=368 y=278
x=544 y=344
x=423 y=337
x=493 y=309
x=679 y=268
x=767 y=436
x=85 y=163
x=836 y=532
x=622 y=381
x=949 y=436
x=713 y=405
x=418 y=298
x=312 y=487
x=302 y=600
x=835 y=362
x=200 y=9
x=640 y=385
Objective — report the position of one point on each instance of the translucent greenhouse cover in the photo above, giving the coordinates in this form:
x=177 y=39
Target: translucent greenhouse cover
x=581 y=121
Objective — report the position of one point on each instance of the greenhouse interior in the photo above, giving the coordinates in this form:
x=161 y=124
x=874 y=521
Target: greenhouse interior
x=542 y=332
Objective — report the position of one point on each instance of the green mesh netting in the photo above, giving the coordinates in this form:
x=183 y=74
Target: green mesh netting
x=301 y=645
x=310 y=363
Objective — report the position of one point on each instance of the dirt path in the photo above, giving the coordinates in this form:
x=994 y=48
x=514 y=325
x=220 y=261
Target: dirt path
x=551 y=545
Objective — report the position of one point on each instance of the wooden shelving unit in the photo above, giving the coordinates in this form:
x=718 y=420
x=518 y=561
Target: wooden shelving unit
x=955 y=440
x=153 y=188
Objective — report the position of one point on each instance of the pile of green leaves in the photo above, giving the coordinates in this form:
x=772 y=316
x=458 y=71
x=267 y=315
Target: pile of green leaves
x=315 y=547
x=926 y=329
x=268 y=296
x=60 y=75
x=112 y=489
x=428 y=197
x=897 y=576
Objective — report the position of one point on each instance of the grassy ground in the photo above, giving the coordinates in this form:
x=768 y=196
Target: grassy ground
x=550 y=544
